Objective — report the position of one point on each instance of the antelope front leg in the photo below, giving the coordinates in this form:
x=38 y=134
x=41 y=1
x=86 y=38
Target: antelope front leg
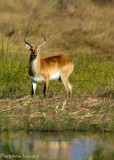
x=45 y=88
x=34 y=85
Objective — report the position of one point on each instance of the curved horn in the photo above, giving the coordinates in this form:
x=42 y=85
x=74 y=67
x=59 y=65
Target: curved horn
x=26 y=41
x=43 y=42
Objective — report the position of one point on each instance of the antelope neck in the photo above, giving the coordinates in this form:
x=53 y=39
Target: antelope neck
x=35 y=65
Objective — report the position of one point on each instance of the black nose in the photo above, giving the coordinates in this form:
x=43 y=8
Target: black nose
x=35 y=55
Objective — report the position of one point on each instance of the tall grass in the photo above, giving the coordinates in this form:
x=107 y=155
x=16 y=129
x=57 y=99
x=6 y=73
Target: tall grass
x=92 y=75
x=13 y=72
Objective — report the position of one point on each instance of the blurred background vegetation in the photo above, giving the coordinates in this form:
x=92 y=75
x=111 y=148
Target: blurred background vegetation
x=80 y=29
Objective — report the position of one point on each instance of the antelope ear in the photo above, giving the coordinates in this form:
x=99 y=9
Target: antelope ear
x=27 y=46
x=42 y=48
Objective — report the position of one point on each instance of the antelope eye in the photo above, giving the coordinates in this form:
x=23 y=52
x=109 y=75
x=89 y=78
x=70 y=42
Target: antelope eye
x=38 y=50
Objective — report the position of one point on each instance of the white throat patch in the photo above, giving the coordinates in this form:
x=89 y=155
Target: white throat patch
x=34 y=67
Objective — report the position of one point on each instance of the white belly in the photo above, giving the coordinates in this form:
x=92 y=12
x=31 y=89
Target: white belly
x=37 y=79
x=55 y=76
x=41 y=79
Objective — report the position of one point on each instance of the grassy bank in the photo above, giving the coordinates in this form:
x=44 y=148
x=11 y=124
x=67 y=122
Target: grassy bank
x=81 y=30
x=57 y=114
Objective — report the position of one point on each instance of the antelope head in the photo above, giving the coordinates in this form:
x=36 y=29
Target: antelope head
x=35 y=50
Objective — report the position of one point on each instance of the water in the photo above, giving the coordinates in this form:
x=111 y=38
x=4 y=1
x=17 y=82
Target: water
x=55 y=146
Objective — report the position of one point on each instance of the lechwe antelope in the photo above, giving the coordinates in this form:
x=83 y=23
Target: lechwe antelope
x=52 y=68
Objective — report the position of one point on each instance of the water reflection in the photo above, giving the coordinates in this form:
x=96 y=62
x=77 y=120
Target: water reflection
x=50 y=146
